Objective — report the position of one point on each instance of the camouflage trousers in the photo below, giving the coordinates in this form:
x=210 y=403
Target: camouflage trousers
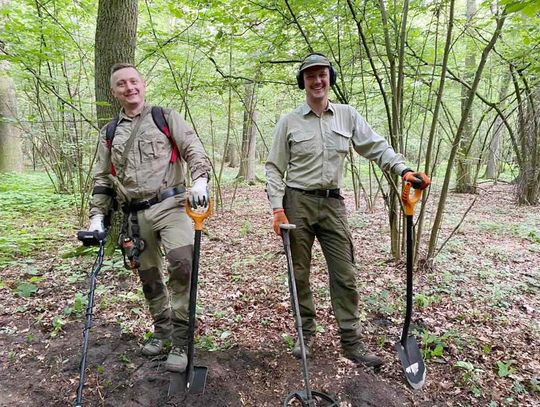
x=325 y=219
x=166 y=226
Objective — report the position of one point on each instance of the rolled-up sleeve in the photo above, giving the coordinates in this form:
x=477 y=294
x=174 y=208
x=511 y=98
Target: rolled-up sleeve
x=101 y=203
x=374 y=147
x=276 y=165
x=190 y=147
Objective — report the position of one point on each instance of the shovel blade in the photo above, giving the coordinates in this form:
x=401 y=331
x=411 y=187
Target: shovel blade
x=177 y=384
x=412 y=362
x=197 y=380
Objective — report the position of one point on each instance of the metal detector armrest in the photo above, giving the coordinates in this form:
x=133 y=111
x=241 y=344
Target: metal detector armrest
x=91 y=238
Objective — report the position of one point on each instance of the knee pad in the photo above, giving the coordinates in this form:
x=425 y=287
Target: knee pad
x=152 y=282
x=180 y=263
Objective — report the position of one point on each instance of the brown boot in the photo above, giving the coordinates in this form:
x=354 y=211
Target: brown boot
x=359 y=355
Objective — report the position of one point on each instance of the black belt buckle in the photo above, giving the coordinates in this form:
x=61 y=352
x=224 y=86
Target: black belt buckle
x=144 y=204
x=139 y=206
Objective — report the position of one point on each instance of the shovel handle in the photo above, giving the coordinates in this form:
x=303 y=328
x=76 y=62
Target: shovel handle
x=198 y=217
x=410 y=200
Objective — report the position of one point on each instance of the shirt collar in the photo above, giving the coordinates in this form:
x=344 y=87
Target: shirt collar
x=305 y=109
x=122 y=115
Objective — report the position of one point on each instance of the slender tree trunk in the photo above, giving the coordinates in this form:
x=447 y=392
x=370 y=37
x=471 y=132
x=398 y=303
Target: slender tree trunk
x=429 y=168
x=464 y=180
x=444 y=191
x=494 y=149
x=11 y=157
x=116 y=30
x=247 y=158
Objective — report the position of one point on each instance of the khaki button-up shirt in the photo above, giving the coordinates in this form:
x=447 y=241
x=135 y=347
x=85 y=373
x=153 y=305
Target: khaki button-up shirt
x=147 y=170
x=309 y=151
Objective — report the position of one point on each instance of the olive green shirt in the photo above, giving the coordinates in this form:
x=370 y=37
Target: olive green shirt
x=147 y=170
x=308 y=152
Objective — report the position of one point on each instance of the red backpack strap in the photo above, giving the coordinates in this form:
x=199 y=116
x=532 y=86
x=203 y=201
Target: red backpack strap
x=158 y=115
x=110 y=130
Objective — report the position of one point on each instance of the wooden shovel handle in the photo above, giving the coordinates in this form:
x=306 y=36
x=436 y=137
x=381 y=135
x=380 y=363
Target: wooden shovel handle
x=198 y=217
x=410 y=200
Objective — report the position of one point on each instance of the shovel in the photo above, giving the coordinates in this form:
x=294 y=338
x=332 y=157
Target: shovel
x=306 y=397
x=195 y=376
x=407 y=348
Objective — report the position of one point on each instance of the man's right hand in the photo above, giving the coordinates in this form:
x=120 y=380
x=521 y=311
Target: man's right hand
x=96 y=223
x=279 y=218
x=419 y=180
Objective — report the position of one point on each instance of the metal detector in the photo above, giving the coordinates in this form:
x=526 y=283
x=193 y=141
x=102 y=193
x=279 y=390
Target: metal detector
x=407 y=348
x=194 y=380
x=88 y=238
x=306 y=397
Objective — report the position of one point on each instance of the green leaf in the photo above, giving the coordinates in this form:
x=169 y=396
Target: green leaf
x=26 y=290
x=464 y=365
x=504 y=368
x=438 y=351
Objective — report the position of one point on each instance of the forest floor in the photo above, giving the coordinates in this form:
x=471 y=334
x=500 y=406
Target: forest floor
x=477 y=312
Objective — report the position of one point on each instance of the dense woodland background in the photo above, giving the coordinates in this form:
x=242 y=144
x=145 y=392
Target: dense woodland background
x=453 y=85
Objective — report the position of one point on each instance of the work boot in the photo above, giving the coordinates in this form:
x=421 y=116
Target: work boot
x=177 y=360
x=153 y=347
x=308 y=344
x=359 y=355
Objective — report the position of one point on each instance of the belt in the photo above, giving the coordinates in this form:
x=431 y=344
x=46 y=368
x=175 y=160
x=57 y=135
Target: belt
x=322 y=193
x=140 y=205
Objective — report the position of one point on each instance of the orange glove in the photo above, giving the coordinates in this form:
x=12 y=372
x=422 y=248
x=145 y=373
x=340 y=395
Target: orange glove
x=279 y=218
x=419 y=180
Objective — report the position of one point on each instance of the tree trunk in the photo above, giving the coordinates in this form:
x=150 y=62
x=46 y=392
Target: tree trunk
x=464 y=179
x=247 y=158
x=494 y=150
x=453 y=152
x=11 y=157
x=116 y=30
x=528 y=185
x=232 y=156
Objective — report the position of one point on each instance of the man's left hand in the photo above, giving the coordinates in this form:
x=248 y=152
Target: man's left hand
x=419 y=180
x=199 y=193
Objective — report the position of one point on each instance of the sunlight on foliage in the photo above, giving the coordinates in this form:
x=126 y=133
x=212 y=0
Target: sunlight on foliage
x=33 y=216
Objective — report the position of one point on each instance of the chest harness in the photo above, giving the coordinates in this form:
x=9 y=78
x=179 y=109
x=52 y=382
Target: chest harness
x=131 y=244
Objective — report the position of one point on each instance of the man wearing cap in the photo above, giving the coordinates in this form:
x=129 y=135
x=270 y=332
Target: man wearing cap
x=304 y=172
x=145 y=167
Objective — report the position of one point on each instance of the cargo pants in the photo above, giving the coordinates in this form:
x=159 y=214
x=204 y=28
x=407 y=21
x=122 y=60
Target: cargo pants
x=166 y=225
x=325 y=219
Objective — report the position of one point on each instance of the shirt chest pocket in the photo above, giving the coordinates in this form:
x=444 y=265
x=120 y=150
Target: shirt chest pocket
x=340 y=140
x=150 y=150
x=302 y=142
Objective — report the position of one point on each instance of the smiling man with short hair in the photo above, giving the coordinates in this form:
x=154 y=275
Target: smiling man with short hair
x=141 y=159
x=304 y=173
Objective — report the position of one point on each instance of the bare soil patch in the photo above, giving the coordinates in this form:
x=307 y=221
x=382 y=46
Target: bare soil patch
x=479 y=302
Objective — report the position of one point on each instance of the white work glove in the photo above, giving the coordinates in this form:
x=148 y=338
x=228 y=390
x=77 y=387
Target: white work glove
x=96 y=223
x=199 y=193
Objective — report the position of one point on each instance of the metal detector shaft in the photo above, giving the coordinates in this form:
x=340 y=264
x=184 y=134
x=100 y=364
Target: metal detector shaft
x=296 y=307
x=89 y=314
